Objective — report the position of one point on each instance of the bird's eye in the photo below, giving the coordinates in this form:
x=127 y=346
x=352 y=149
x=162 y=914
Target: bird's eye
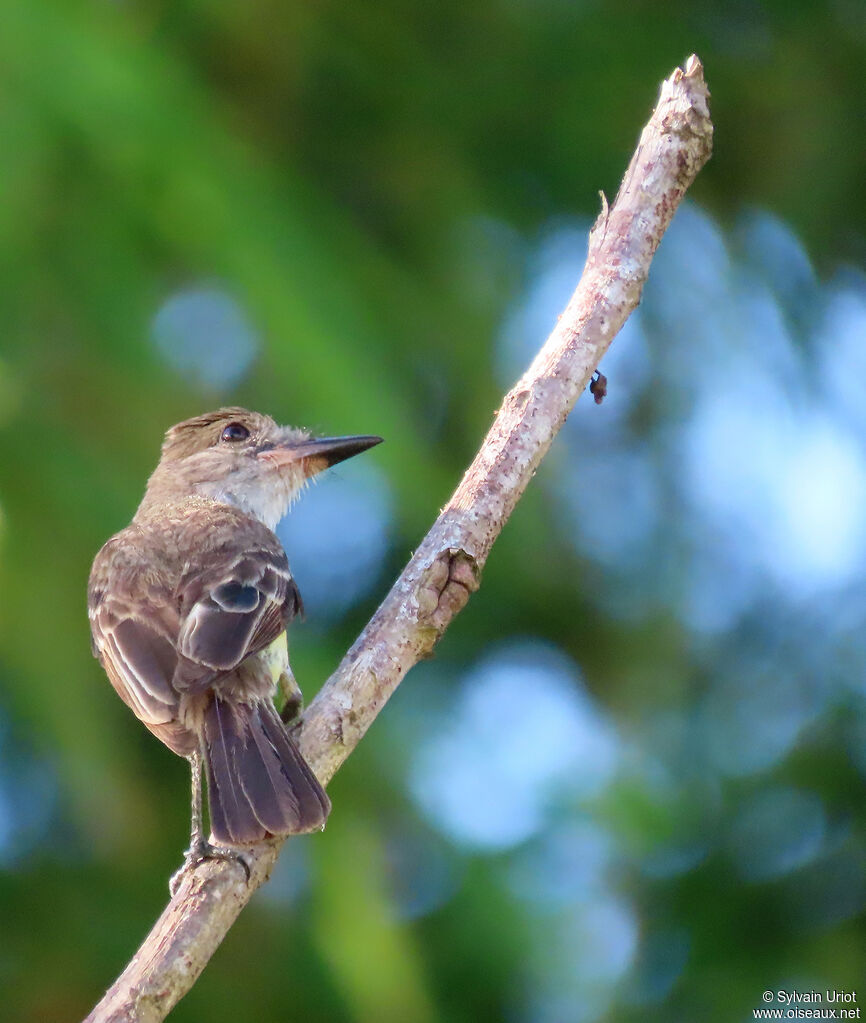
x=234 y=432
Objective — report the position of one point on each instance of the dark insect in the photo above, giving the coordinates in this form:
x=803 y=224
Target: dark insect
x=598 y=387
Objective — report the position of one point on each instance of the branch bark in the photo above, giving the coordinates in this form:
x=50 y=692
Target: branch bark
x=445 y=570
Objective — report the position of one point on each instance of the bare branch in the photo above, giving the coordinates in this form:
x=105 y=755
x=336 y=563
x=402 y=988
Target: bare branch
x=445 y=569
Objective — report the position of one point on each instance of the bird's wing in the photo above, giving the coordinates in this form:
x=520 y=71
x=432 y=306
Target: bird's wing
x=157 y=637
x=133 y=623
x=232 y=607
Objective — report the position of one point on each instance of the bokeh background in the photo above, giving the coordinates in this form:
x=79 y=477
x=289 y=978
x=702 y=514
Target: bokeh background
x=630 y=786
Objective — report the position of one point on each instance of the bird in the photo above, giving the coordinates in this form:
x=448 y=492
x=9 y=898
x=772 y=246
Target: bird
x=188 y=609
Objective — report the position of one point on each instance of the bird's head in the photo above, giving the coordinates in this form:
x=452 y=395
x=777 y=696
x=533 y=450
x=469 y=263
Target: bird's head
x=244 y=459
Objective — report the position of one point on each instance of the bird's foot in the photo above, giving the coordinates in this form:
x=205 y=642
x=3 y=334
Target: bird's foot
x=293 y=702
x=200 y=851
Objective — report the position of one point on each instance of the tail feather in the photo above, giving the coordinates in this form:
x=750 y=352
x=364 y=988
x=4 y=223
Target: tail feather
x=264 y=784
x=258 y=782
x=312 y=800
x=231 y=815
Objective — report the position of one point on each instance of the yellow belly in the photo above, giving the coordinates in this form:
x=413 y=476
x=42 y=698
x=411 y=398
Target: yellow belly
x=259 y=675
x=274 y=659
x=268 y=674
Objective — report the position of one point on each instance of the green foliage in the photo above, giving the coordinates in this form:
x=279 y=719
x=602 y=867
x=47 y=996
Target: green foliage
x=368 y=185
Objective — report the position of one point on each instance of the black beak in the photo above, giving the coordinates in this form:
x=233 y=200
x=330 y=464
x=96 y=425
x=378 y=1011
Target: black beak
x=320 y=452
x=334 y=449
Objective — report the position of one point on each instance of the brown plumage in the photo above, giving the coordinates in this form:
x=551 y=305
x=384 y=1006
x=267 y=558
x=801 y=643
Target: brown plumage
x=189 y=606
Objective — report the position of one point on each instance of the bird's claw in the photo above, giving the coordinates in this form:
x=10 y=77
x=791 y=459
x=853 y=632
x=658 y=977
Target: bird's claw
x=201 y=851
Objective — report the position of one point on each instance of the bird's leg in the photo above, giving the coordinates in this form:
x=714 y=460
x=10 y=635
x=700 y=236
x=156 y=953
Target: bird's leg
x=197 y=841
x=289 y=692
x=199 y=847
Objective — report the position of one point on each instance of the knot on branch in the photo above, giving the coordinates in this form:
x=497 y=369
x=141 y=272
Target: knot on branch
x=452 y=576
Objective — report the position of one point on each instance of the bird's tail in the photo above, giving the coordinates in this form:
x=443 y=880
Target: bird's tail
x=258 y=782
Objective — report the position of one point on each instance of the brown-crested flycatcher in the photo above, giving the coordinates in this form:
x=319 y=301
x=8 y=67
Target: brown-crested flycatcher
x=188 y=610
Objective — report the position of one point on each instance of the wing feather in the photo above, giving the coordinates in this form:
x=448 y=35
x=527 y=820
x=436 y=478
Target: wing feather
x=159 y=633
x=139 y=658
x=229 y=613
